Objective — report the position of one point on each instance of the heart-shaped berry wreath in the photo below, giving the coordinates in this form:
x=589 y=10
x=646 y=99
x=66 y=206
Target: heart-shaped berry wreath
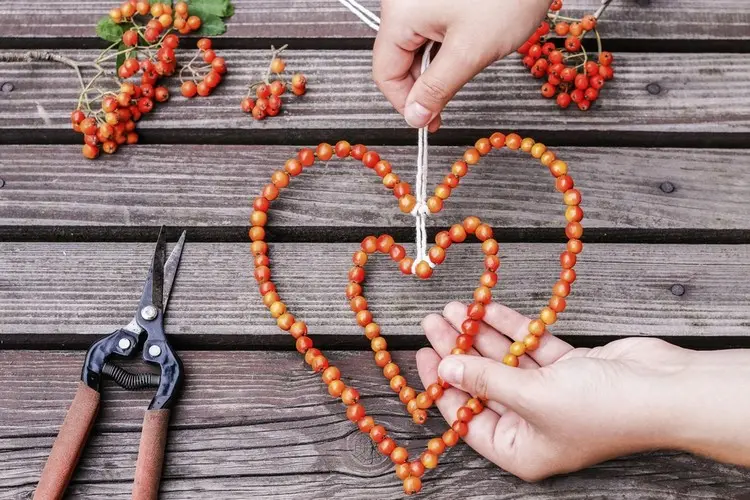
x=416 y=404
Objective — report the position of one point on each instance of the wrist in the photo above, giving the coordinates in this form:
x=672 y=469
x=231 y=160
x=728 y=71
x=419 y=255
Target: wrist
x=705 y=406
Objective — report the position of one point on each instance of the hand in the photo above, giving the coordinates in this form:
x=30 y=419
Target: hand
x=565 y=409
x=473 y=35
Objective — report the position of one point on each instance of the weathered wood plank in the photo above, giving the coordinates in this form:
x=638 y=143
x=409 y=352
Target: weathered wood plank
x=260 y=425
x=67 y=293
x=211 y=185
x=699 y=95
x=307 y=21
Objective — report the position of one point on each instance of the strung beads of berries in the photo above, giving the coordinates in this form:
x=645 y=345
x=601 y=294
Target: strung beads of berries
x=203 y=73
x=571 y=75
x=411 y=469
x=263 y=98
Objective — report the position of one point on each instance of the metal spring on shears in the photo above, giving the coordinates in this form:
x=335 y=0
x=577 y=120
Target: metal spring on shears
x=130 y=381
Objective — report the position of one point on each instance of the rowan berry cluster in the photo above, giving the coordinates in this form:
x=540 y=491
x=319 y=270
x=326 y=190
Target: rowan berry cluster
x=572 y=76
x=144 y=41
x=205 y=77
x=267 y=101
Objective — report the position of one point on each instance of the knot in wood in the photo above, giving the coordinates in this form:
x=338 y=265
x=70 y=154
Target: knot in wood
x=363 y=451
x=677 y=290
x=653 y=88
x=7 y=87
x=2 y=183
x=667 y=187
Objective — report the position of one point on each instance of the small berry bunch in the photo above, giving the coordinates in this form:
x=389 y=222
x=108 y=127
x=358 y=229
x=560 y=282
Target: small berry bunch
x=143 y=45
x=210 y=73
x=572 y=75
x=268 y=94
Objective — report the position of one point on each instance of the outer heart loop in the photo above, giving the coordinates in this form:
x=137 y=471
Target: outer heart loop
x=416 y=403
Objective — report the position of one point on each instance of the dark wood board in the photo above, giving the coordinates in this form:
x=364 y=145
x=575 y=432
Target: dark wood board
x=697 y=100
x=260 y=425
x=66 y=294
x=210 y=187
x=328 y=23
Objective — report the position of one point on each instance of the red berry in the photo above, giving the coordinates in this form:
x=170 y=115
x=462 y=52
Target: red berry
x=572 y=44
x=77 y=116
x=151 y=35
x=606 y=72
x=204 y=44
x=208 y=56
x=588 y=22
x=299 y=80
x=219 y=65
x=212 y=79
x=161 y=94
x=188 y=89
x=274 y=102
x=258 y=113
x=147 y=90
x=171 y=41
x=584 y=105
x=554 y=80
x=582 y=82
x=548 y=90
x=203 y=89
x=591 y=94
x=247 y=105
x=145 y=104
x=299 y=90
x=528 y=61
x=596 y=81
x=130 y=38
x=90 y=151
x=555 y=57
x=277 y=88
x=606 y=58
x=568 y=74
x=562 y=28
x=563 y=100
x=548 y=48
x=263 y=91
x=535 y=51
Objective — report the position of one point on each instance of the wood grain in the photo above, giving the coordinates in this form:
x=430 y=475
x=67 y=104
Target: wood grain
x=67 y=293
x=260 y=425
x=211 y=186
x=316 y=21
x=703 y=97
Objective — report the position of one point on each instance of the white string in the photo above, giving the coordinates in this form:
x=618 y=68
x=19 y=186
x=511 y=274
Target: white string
x=362 y=13
x=420 y=211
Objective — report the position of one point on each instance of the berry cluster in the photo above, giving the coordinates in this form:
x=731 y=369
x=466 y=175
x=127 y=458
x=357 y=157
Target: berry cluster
x=572 y=76
x=268 y=94
x=209 y=74
x=143 y=44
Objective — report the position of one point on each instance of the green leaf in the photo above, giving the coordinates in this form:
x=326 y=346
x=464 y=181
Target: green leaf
x=203 y=8
x=211 y=25
x=109 y=30
x=120 y=57
x=229 y=11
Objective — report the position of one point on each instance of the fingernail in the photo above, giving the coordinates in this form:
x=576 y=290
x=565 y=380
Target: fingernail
x=417 y=115
x=451 y=370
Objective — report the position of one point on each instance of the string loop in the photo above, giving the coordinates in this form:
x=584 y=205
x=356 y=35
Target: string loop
x=420 y=210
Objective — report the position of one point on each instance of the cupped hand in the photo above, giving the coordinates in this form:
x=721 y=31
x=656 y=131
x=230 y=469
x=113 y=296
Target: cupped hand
x=473 y=35
x=563 y=409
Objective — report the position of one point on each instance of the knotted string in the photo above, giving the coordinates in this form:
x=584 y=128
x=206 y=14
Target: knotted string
x=420 y=211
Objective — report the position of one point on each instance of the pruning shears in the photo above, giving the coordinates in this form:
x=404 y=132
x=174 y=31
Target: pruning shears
x=145 y=333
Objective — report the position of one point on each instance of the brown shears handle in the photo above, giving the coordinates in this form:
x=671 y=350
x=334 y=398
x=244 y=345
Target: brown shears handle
x=69 y=444
x=151 y=455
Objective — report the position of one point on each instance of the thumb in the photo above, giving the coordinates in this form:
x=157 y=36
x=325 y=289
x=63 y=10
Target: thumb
x=490 y=379
x=451 y=69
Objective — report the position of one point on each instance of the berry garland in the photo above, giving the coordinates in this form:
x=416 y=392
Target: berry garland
x=572 y=76
x=143 y=41
x=410 y=472
x=269 y=93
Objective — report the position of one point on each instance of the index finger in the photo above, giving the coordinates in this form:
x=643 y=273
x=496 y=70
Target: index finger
x=392 y=61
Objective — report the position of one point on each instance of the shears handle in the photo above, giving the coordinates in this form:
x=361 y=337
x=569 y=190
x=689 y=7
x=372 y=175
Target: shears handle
x=69 y=444
x=151 y=455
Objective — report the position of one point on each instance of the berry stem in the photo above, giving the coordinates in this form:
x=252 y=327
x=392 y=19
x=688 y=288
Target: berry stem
x=274 y=54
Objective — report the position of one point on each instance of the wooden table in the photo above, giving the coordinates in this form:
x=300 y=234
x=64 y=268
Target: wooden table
x=659 y=159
